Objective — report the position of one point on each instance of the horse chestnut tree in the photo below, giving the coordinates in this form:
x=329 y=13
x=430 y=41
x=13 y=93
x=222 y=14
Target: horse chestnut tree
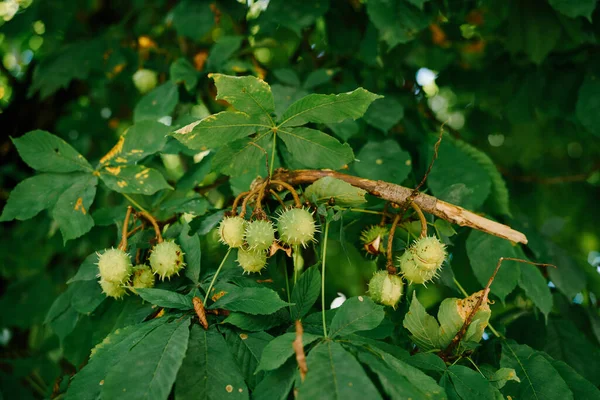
x=299 y=200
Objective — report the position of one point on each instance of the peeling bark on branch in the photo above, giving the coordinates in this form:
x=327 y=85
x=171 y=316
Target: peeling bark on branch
x=399 y=194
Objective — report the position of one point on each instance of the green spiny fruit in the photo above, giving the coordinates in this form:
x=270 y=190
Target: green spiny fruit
x=385 y=288
x=112 y=289
x=145 y=80
x=142 y=278
x=296 y=226
x=114 y=265
x=231 y=231
x=429 y=252
x=373 y=239
x=166 y=259
x=260 y=234
x=251 y=260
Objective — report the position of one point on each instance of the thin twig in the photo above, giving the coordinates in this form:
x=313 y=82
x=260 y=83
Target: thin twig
x=390 y=261
x=299 y=350
x=236 y=201
x=152 y=220
x=274 y=194
x=247 y=199
x=123 y=244
x=291 y=190
x=421 y=219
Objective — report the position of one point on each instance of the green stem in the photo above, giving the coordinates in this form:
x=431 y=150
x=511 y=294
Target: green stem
x=360 y=210
x=476 y=367
x=287 y=288
x=215 y=277
x=132 y=201
x=273 y=155
x=325 y=234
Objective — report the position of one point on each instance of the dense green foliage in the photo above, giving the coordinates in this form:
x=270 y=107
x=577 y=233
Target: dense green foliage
x=176 y=107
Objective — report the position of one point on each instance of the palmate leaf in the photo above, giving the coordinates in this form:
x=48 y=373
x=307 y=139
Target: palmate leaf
x=71 y=211
x=384 y=161
x=356 y=314
x=160 y=102
x=190 y=245
x=276 y=384
x=135 y=179
x=321 y=108
x=305 y=293
x=280 y=349
x=316 y=149
x=424 y=328
x=209 y=372
x=166 y=298
x=247 y=348
x=464 y=383
x=243 y=156
x=139 y=141
x=397 y=21
x=335 y=374
x=251 y=300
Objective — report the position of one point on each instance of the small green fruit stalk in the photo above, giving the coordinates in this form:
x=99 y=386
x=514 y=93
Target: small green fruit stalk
x=386 y=288
x=296 y=227
x=166 y=259
x=252 y=260
x=373 y=239
x=421 y=262
x=142 y=278
x=232 y=230
x=260 y=234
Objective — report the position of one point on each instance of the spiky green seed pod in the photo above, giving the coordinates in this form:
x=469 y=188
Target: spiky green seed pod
x=429 y=253
x=112 y=289
x=373 y=239
x=296 y=226
x=413 y=271
x=142 y=278
x=260 y=234
x=114 y=265
x=231 y=231
x=251 y=260
x=166 y=259
x=385 y=288
x=145 y=80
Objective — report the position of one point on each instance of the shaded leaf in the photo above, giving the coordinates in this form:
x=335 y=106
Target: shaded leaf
x=190 y=244
x=356 y=314
x=384 y=161
x=71 y=211
x=280 y=349
x=536 y=287
x=251 y=300
x=158 y=103
x=588 y=101
x=468 y=384
x=193 y=18
x=316 y=149
x=183 y=71
x=256 y=323
x=166 y=298
x=139 y=141
x=574 y=9
x=223 y=49
x=136 y=179
x=276 y=385
x=397 y=22
x=424 y=327
x=384 y=113
x=247 y=349
x=305 y=293
x=247 y=94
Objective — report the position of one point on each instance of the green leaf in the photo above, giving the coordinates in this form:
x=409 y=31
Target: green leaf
x=458 y=178
x=136 y=179
x=539 y=379
x=46 y=152
x=251 y=300
x=149 y=369
x=287 y=76
x=384 y=161
x=160 y=102
x=423 y=327
x=345 y=129
x=87 y=384
x=190 y=244
x=35 y=194
x=335 y=374
x=467 y=384
x=305 y=293
x=193 y=18
x=292 y=14
x=247 y=94
x=574 y=9
x=484 y=251
x=218 y=130
x=319 y=77
x=139 y=141
x=208 y=370
x=247 y=349
x=88 y=270
x=569 y=277
x=321 y=108
x=426 y=362
x=71 y=211
x=451 y=322
x=536 y=287
x=280 y=349
x=533 y=29
x=222 y=51
x=384 y=113
x=242 y=156
x=284 y=96
x=588 y=101
x=582 y=388
x=316 y=149
x=400 y=380
x=256 y=323
x=183 y=71
x=86 y=296
x=356 y=314
x=397 y=21
x=276 y=385
x=343 y=193
x=62 y=316
x=503 y=375
x=166 y=298
x=498 y=198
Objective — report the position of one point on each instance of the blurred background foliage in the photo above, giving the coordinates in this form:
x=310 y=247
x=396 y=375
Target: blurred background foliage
x=517 y=80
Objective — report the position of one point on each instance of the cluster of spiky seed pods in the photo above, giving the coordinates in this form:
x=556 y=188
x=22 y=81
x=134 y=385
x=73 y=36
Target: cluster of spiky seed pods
x=295 y=227
x=117 y=273
x=419 y=264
